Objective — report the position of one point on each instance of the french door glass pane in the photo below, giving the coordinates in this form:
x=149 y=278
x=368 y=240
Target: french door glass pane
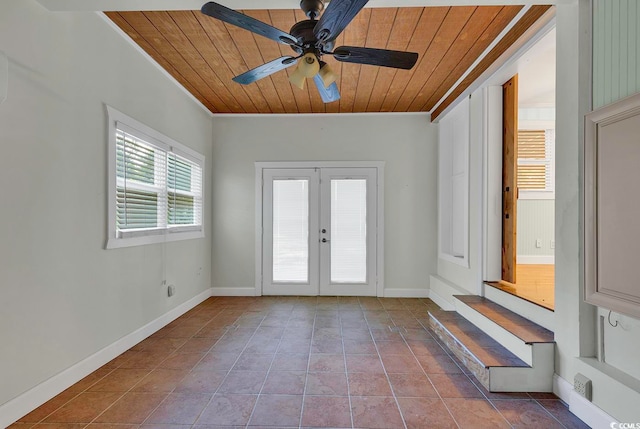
x=291 y=231
x=348 y=231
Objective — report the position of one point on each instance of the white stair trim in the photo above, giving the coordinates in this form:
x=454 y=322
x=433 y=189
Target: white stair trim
x=512 y=343
x=441 y=292
x=537 y=378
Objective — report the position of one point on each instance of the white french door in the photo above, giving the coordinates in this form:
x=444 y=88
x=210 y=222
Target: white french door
x=319 y=231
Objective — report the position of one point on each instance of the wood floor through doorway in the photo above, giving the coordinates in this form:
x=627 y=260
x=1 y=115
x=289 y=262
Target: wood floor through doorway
x=534 y=283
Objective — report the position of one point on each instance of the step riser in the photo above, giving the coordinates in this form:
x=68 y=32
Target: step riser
x=539 y=378
x=506 y=379
x=537 y=314
x=512 y=343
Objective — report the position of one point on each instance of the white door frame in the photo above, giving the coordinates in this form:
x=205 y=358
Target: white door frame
x=262 y=165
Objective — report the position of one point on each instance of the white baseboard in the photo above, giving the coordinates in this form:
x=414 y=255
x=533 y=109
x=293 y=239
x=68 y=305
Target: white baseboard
x=233 y=291
x=406 y=293
x=535 y=259
x=38 y=395
x=581 y=407
x=562 y=388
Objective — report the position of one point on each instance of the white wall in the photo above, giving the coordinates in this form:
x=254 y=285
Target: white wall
x=575 y=331
x=64 y=297
x=616 y=75
x=616 y=50
x=408 y=144
x=535 y=222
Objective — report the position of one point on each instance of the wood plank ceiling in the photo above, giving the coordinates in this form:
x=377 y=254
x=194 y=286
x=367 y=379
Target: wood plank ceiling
x=203 y=54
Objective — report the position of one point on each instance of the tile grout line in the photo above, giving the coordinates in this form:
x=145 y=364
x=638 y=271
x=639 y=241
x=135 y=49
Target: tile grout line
x=270 y=364
x=386 y=374
x=214 y=393
x=549 y=412
x=135 y=384
x=42 y=421
x=427 y=375
x=172 y=390
x=344 y=357
x=231 y=368
x=306 y=376
x=86 y=390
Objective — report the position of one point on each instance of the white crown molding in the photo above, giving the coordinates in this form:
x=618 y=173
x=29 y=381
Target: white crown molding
x=124 y=5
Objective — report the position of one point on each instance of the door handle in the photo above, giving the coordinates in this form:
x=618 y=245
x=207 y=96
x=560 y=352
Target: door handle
x=324 y=240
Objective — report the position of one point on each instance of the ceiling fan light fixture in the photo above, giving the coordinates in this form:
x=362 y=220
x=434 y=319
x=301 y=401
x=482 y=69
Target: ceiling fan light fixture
x=327 y=75
x=309 y=65
x=297 y=78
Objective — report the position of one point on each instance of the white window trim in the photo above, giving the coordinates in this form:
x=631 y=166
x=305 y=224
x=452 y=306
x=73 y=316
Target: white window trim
x=142 y=237
x=259 y=166
x=445 y=210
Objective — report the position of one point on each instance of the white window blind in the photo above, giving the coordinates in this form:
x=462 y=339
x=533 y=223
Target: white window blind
x=535 y=160
x=184 y=191
x=158 y=187
x=291 y=231
x=140 y=181
x=348 y=231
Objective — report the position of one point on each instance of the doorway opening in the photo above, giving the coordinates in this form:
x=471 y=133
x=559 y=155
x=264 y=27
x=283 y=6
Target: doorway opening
x=528 y=177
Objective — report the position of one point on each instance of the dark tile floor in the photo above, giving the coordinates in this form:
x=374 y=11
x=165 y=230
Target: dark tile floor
x=289 y=362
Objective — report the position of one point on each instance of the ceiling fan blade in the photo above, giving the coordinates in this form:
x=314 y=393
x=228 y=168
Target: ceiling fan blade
x=376 y=57
x=238 y=19
x=336 y=17
x=327 y=94
x=265 y=70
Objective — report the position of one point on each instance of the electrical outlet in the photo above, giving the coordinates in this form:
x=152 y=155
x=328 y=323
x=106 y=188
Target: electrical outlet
x=582 y=386
x=553 y=244
x=171 y=289
x=538 y=243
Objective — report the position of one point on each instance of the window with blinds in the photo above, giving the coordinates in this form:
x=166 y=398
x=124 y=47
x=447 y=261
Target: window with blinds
x=535 y=161
x=156 y=186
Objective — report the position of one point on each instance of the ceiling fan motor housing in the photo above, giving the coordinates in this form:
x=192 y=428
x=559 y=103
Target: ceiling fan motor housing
x=312 y=8
x=303 y=32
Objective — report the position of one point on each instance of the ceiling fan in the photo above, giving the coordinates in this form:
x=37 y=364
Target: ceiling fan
x=311 y=39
